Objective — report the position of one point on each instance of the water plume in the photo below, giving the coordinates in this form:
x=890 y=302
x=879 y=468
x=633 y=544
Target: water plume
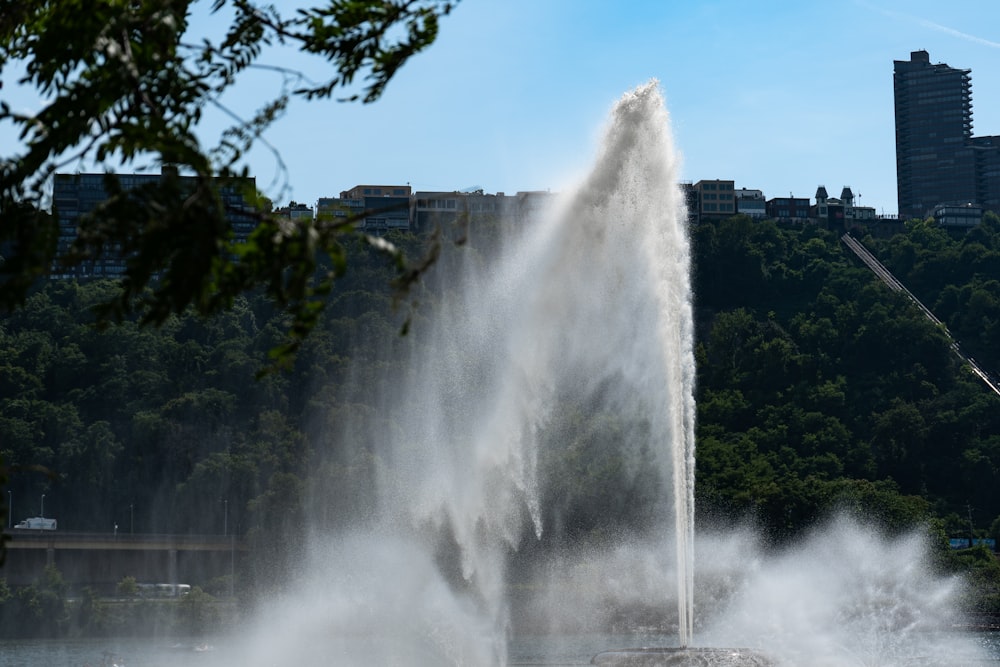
x=576 y=344
x=588 y=307
x=843 y=595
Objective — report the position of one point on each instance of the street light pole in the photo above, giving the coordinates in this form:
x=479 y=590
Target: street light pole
x=131 y=517
x=232 y=566
x=10 y=509
x=43 y=506
x=225 y=520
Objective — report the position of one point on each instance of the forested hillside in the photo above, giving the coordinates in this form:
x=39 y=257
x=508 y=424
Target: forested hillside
x=817 y=388
x=178 y=429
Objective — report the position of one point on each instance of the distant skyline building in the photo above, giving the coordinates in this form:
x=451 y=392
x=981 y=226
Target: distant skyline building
x=76 y=195
x=968 y=215
x=714 y=199
x=938 y=161
x=295 y=211
x=361 y=191
x=751 y=202
x=449 y=209
x=839 y=212
x=788 y=208
x=374 y=209
x=379 y=209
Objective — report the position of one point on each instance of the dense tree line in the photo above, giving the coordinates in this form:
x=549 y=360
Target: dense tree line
x=819 y=386
x=128 y=84
x=47 y=609
x=818 y=389
x=957 y=276
x=186 y=427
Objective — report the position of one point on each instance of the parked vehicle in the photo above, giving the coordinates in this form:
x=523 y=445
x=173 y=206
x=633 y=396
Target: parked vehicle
x=37 y=523
x=164 y=590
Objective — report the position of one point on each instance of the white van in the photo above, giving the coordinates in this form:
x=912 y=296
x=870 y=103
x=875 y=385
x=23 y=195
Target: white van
x=37 y=523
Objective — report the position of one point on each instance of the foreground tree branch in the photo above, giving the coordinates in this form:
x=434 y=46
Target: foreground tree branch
x=123 y=87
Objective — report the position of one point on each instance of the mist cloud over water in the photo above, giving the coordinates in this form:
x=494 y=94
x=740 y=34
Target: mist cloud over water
x=845 y=595
x=577 y=340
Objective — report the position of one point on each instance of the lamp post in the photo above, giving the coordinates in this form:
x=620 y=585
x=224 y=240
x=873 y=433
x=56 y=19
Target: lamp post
x=232 y=548
x=43 y=506
x=232 y=566
x=10 y=508
x=131 y=517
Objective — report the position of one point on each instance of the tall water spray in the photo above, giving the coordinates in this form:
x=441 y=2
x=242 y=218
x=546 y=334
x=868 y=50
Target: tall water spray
x=621 y=263
x=591 y=306
x=579 y=334
x=587 y=309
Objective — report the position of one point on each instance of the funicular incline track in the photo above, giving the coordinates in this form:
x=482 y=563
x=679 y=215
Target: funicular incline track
x=890 y=280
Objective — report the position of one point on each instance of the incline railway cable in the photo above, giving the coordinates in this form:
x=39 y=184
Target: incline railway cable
x=890 y=280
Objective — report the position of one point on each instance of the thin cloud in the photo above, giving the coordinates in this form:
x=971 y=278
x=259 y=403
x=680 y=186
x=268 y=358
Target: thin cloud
x=958 y=33
x=932 y=25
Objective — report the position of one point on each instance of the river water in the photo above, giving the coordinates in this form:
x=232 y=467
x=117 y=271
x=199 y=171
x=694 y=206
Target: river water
x=567 y=650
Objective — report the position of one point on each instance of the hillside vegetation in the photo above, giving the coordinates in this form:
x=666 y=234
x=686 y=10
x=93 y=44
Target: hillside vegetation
x=818 y=389
x=818 y=384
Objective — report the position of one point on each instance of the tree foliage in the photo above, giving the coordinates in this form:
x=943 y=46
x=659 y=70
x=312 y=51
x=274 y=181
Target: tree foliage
x=126 y=84
x=819 y=390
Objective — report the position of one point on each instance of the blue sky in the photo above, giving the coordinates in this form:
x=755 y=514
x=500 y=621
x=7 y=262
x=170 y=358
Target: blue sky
x=779 y=96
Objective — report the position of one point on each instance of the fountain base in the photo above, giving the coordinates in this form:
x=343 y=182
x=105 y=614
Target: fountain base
x=682 y=657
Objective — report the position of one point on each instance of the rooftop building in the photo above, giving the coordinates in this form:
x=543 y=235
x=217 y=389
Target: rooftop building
x=788 y=208
x=714 y=199
x=751 y=203
x=359 y=191
x=295 y=211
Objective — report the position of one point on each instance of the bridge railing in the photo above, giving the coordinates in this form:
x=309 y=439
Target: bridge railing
x=39 y=539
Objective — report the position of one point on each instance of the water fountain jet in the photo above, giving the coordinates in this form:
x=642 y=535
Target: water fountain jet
x=639 y=148
x=590 y=307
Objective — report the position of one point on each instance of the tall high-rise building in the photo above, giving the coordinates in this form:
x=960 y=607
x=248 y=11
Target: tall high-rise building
x=934 y=161
x=938 y=161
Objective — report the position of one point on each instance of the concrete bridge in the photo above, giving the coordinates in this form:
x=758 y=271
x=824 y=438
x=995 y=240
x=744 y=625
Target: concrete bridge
x=101 y=560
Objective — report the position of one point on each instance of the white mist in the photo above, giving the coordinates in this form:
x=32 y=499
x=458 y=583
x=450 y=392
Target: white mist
x=593 y=300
